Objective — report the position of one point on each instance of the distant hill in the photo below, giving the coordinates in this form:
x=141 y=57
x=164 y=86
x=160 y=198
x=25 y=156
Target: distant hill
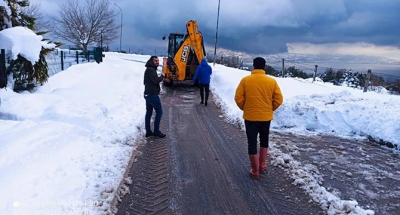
x=328 y=58
x=307 y=62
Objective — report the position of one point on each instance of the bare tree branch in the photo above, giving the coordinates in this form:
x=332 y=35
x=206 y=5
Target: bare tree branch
x=34 y=10
x=85 y=24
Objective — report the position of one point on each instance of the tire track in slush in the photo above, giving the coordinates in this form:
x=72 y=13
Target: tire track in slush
x=220 y=153
x=150 y=191
x=200 y=184
x=202 y=166
x=270 y=188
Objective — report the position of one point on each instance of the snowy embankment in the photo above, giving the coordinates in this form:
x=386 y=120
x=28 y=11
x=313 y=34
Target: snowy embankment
x=319 y=108
x=71 y=140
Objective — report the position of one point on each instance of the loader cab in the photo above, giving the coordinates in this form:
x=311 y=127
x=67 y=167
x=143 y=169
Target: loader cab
x=174 y=42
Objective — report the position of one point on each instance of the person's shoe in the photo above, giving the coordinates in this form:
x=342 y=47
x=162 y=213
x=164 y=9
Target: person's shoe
x=159 y=134
x=205 y=103
x=149 y=134
x=201 y=102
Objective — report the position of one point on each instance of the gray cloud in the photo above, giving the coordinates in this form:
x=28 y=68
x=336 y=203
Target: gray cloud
x=260 y=26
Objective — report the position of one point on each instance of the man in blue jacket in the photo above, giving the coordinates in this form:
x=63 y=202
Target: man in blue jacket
x=203 y=73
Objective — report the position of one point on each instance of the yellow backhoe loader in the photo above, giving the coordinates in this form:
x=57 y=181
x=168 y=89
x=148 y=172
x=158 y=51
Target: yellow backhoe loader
x=185 y=52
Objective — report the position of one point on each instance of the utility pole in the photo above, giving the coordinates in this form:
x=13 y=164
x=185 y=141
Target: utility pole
x=216 y=35
x=120 y=34
x=367 y=80
x=315 y=73
x=283 y=67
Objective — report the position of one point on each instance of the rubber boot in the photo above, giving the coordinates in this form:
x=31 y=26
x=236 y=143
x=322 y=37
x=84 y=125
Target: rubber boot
x=263 y=159
x=254 y=166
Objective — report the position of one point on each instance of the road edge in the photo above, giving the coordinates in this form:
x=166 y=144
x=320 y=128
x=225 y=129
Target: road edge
x=123 y=187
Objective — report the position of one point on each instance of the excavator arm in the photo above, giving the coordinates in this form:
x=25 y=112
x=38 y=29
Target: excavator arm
x=181 y=59
x=184 y=65
x=197 y=39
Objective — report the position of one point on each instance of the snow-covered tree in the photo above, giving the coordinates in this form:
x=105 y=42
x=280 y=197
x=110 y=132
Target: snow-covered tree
x=25 y=73
x=350 y=79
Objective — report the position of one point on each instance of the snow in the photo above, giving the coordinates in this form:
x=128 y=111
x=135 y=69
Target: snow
x=320 y=107
x=65 y=147
x=23 y=41
x=7 y=9
x=74 y=142
x=4 y=4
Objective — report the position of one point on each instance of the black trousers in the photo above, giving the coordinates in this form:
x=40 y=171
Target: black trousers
x=206 y=88
x=253 y=128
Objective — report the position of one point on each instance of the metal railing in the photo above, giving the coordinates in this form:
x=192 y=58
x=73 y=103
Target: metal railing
x=60 y=60
x=3 y=73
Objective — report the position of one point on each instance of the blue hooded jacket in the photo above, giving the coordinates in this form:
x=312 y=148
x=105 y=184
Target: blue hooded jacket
x=203 y=72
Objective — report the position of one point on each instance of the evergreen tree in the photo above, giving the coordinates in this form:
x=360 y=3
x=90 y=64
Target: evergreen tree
x=293 y=72
x=350 y=79
x=394 y=88
x=339 y=76
x=335 y=77
x=328 y=76
x=25 y=75
x=271 y=71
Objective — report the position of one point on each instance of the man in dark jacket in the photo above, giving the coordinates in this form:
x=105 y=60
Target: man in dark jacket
x=203 y=73
x=151 y=91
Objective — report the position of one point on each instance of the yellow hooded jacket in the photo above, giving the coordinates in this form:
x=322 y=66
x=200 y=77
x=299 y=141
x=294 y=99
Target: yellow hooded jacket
x=258 y=95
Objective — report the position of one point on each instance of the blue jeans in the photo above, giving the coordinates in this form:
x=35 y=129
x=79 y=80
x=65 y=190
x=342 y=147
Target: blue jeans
x=153 y=102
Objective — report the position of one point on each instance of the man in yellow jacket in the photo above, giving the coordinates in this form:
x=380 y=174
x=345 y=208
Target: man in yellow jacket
x=258 y=95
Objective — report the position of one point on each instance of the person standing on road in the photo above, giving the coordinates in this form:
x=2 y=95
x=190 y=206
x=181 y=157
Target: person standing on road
x=258 y=95
x=203 y=73
x=151 y=95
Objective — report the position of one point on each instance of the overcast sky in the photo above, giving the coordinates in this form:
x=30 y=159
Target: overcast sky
x=264 y=26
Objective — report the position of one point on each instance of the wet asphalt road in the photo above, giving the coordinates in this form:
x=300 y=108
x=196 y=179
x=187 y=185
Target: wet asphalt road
x=202 y=166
